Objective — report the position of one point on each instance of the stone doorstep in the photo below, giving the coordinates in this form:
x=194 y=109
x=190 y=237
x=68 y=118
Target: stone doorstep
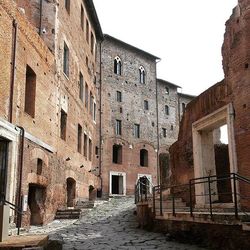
x=23 y=241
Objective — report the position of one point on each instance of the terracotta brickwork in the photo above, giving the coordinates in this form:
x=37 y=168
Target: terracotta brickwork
x=234 y=90
x=49 y=160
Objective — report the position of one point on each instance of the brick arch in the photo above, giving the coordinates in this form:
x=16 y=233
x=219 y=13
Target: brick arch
x=38 y=153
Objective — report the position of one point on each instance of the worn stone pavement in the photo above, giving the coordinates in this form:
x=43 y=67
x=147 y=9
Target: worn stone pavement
x=111 y=225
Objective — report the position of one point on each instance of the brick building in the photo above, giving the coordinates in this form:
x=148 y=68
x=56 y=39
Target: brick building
x=197 y=153
x=48 y=49
x=139 y=118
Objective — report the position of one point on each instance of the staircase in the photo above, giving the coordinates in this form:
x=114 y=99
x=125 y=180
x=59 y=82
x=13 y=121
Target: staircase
x=68 y=213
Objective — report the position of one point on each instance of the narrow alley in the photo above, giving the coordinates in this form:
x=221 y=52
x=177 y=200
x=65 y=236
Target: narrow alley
x=111 y=225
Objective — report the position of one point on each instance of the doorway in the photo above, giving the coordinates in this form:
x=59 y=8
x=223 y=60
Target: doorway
x=36 y=201
x=71 y=192
x=117 y=183
x=3 y=166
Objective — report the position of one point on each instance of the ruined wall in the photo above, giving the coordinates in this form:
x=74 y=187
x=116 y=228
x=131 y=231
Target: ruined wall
x=53 y=91
x=233 y=89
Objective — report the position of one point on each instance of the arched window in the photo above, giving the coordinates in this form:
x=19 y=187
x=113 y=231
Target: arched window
x=143 y=158
x=39 y=166
x=117 y=65
x=166 y=109
x=117 y=154
x=142 y=74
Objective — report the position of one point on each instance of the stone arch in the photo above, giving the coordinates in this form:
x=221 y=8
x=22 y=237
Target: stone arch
x=71 y=191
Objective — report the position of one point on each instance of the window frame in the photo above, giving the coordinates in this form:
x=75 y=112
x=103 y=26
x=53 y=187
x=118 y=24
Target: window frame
x=137 y=130
x=66 y=59
x=142 y=75
x=117 y=65
x=118 y=127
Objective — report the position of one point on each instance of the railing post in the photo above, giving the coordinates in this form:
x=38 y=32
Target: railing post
x=235 y=198
x=153 y=200
x=146 y=192
x=190 y=197
x=161 y=213
x=210 y=198
x=141 y=191
x=135 y=194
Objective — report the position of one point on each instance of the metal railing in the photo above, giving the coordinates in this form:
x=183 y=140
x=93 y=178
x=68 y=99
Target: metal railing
x=143 y=189
x=218 y=189
x=12 y=206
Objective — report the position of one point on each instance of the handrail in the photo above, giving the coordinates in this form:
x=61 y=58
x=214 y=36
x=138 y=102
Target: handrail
x=234 y=178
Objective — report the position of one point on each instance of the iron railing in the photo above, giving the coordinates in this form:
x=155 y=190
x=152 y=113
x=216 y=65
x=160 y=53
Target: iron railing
x=215 y=187
x=143 y=189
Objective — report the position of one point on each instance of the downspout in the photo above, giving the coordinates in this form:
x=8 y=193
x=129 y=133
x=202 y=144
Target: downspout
x=41 y=14
x=12 y=73
x=157 y=127
x=100 y=117
x=20 y=172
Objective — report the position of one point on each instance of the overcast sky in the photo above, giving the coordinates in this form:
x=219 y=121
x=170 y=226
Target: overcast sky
x=186 y=34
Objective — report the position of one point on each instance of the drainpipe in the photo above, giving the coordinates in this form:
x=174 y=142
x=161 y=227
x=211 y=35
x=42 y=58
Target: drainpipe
x=41 y=14
x=20 y=172
x=157 y=127
x=100 y=117
x=13 y=66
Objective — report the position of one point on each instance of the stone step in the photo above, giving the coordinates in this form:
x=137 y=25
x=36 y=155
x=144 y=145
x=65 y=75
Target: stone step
x=68 y=214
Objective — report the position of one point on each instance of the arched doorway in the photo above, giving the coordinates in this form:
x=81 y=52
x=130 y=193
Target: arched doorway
x=164 y=168
x=71 y=191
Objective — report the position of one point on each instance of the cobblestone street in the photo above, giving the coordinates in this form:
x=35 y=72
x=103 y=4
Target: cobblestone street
x=111 y=225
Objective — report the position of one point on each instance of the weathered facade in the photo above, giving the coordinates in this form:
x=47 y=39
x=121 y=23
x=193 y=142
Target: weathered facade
x=196 y=154
x=139 y=118
x=48 y=88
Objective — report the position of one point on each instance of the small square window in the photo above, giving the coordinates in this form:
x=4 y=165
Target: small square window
x=167 y=90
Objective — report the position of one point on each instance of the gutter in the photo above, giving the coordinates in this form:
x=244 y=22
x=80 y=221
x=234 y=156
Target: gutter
x=20 y=172
x=12 y=73
x=40 y=15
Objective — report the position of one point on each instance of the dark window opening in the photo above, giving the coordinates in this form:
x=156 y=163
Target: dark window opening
x=146 y=107
x=30 y=92
x=118 y=96
x=85 y=149
x=66 y=60
x=81 y=86
x=164 y=132
x=172 y=127
x=96 y=150
x=167 y=90
x=63 y=124
x=79 y=139
x=86 y=95
x=90 y=149
x=137 y=130
x=143 y=158
x=118 y=127
x=3 y=166
x=67 y=5
x=183 y=106
x=142 y=74
x=117 y=154
x=166 y=110
x=91 y=101
x=39 y=166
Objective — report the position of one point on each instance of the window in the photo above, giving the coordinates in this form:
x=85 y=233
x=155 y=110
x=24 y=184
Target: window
x=142 y=74
x=118 y=96
x=82 y=17
x=164 y=132
x=39 y=167
x=146 y=105
x=90 y=149
x=143 y=158
x=117 y=66
x=91 y=102
x=63 y=124
x=87 y=31
x=85 y=146
x=96 y=151
x=183 y=106
x=172 y=127
x=79 y=139
x=66 y=60
x=118 y=127
x=94 y=112
x=30 y=92
x=137 y=130
x=86 y=95
x=67 y=5
x=92 y=42
x=166 y=110
x=117 y=154
x=81 y=86
x=167 y=90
